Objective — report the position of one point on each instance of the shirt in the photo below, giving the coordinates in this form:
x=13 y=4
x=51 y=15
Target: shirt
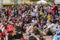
x=29 y=29
x=10 y=28
x=33 y=14
x=50 y=25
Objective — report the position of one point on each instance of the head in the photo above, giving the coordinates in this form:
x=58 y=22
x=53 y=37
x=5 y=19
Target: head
x=32 y=38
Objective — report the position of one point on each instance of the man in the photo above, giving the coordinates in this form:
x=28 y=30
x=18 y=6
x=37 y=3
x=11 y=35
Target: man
x=2 y=30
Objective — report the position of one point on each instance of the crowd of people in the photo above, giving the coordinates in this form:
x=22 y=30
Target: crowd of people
x=28 y=21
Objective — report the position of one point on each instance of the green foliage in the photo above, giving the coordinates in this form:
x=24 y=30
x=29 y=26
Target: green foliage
x=34 y=0
x=50 y=0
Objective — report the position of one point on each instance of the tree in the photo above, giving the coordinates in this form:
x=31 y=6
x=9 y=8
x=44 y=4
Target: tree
x=50 y=0
x=34 y=0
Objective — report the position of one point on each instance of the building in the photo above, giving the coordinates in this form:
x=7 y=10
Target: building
x=11 y=2
x=57 y=2
x=0 y=3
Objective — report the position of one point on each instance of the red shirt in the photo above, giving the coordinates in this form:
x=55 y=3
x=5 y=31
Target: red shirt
x=3 y=29
x=9 y=12
x=10 y=28
x=1 y=34
x=22 y=38
x=53 y=9
x=20 y=19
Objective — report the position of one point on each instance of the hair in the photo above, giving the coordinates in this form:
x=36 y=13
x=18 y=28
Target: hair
x=0 y=30
x=32 y=38
x=0 y=21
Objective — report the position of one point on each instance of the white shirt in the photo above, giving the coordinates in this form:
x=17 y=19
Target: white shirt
x=50 y=25
x=29 y=29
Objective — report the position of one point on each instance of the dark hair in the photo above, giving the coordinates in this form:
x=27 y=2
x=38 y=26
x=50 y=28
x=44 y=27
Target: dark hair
x=0 y=30
x=32 y=38
x=0 y=21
